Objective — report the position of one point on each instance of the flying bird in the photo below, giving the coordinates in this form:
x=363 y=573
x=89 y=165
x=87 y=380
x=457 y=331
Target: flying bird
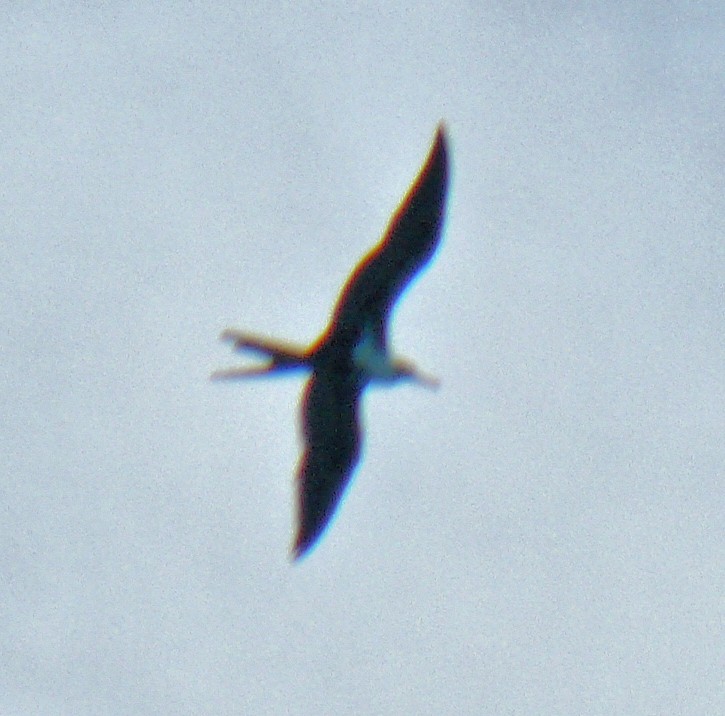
x=353 y=350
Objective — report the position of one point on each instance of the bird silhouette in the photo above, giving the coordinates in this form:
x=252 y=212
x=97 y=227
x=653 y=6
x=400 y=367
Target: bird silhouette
x=353 y=350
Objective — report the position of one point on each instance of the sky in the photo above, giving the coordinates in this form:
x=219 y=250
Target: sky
x=542 y=535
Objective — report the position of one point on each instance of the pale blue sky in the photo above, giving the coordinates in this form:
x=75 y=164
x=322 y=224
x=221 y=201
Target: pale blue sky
x=543 y=535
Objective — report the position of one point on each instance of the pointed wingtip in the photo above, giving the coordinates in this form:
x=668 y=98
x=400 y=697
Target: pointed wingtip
x=306 y=540
x=299 y=549
x=439 y=148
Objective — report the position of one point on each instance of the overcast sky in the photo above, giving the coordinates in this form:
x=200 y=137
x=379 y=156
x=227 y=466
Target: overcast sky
x=543 y=535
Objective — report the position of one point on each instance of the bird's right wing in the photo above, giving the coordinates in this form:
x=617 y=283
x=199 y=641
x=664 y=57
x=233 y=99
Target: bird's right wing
x=332 y=444
x=408 y=244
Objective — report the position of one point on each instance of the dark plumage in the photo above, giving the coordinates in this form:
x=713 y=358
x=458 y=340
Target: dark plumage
x=353 y=349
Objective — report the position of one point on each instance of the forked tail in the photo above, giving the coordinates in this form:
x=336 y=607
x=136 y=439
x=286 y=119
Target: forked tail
x=280 y=356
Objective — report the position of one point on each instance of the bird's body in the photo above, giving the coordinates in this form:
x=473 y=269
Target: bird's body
x=353 y=351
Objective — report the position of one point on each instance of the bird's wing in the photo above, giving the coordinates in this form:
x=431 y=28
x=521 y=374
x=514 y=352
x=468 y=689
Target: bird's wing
x=408 y=244
x=332 y=443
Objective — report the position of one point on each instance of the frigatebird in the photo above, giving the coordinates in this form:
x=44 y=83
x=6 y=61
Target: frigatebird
x=353 y=350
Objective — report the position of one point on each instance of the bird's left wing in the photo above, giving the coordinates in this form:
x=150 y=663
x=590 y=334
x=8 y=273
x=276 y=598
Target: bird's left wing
x=332 y=444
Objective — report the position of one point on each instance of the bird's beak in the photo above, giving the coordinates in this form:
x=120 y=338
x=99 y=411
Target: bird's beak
x=427 y=381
